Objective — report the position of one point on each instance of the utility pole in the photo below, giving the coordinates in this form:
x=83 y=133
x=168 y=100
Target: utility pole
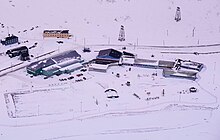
x=38 y=110
x=213 y=81
x=163 y=92
x=81 y=106
x=193 y=33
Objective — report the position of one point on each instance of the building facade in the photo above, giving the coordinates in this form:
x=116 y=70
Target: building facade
x=56 y=33
x=9 y=40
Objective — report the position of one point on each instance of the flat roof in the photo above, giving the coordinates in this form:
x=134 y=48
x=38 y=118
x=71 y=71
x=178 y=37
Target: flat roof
x=179 y=73
x=99 y=66
x=71 y=67
x=146 y=61
x=163 y=63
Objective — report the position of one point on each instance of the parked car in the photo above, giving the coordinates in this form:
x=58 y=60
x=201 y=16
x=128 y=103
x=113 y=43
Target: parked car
x=86 y=49
x=78 y=75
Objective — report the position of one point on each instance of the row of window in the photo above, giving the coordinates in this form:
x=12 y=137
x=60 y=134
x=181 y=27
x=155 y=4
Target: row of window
x=56 y=35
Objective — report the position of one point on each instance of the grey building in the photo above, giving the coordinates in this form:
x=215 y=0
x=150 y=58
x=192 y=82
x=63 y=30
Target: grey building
x=180 y=74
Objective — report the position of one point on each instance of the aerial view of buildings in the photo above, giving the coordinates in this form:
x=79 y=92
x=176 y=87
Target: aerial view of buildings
x=109 y=69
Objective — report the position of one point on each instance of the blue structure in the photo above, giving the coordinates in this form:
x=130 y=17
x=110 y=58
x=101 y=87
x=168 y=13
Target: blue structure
x=9 y=40
x=108 y=56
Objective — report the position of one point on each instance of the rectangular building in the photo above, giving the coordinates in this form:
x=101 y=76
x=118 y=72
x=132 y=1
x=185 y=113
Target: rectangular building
x=9 y=40
x=180 y=74
x=54 y=64
x=56 y=33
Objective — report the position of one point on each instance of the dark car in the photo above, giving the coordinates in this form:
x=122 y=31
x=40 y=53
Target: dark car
x=60 y=42
x=86 y=49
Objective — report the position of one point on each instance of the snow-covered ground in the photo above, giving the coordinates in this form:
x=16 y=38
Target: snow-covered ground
x=151 y=108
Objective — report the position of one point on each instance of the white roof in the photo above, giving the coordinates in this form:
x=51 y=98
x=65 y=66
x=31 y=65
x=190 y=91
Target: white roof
x=68 y=61
x=71 y=67
x=51 y=67
x=99 y=66
x=128 y=60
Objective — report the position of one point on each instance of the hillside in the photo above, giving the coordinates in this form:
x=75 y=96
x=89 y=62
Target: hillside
x=152 y=23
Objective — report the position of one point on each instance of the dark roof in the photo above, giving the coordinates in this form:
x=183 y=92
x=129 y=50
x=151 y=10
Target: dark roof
x=19 y=48
x=109 y=52
x=65 y=31
x=128 y=54
x=9 y=38
x=57 y=31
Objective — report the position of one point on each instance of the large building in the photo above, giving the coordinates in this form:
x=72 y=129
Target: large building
x=56 y=33
x=9 y=40
x=108 y=56
x=65 y=62
x=19 y=51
